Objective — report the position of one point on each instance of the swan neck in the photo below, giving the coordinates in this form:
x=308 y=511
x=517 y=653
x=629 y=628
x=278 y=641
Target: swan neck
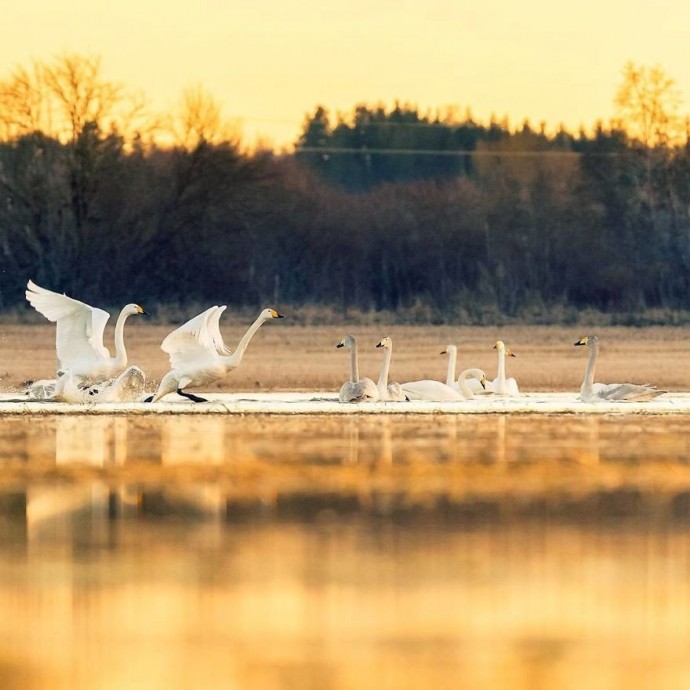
x=236 y=357
x=385 y=367
x=354 y=365
x=462 y=384
x=120 y=351
x=501 y=373
x=450 y=374
x=588 y=383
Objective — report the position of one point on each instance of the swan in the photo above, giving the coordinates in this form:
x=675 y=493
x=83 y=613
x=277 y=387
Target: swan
x=198 y=355
x=356 y=389
x=591 y=392
x=388 y=391
x=435 y=391
x=127 y=387
x=465 y=379
x=475 y=385
x=501 y=385
x=79 y=333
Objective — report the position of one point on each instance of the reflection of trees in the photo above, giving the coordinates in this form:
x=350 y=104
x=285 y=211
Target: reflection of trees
x=88 y=472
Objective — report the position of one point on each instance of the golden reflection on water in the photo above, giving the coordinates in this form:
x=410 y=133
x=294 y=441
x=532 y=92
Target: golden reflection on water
x=264 y=553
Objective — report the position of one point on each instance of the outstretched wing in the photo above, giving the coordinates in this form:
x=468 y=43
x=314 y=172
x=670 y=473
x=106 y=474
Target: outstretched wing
x=195 y=344
x=80 y=327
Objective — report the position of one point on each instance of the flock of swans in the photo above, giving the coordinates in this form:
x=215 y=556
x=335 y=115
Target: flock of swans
x=198 y=357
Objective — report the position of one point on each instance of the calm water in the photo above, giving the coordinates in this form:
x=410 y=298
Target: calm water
x=272 y=553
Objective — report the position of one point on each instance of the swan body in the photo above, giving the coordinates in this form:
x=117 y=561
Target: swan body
x=474 y=384
x=198 y=356
x=428 y=389
x=356 y=389
x=393 y=390
x=625 y=392
x=127 y=387
x=502 y=385
x=79 y=333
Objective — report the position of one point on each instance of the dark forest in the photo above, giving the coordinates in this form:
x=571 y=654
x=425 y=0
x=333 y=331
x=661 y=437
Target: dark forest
x=382 y=209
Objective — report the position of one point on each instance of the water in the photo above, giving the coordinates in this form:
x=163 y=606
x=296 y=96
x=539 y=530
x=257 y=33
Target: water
x=267 y=553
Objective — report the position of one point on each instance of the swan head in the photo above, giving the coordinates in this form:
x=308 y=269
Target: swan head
x=500 y=345
x=588 y=340
x=348 y=341
x=385 y=342
x=267 y=314
x=132 y=309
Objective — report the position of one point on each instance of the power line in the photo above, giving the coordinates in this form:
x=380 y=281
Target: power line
x=333 y=150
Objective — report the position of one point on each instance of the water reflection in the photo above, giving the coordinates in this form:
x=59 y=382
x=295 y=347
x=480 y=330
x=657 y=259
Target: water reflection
x=270 y=552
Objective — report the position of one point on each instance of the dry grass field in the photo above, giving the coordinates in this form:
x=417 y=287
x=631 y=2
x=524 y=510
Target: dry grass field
x=301 y=358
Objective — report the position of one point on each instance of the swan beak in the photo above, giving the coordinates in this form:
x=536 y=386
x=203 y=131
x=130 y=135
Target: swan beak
x=340 y=344
x=379 y=344
x=443 y=352
x=141 y=310
x=482 y=380
x=276 y=315
x=510 y=353
x=582 y=341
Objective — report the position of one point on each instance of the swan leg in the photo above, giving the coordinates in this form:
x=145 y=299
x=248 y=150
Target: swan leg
x=191 y=396
x=168 y=385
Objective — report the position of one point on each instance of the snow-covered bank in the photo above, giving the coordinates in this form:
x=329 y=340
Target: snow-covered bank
x=289 y=403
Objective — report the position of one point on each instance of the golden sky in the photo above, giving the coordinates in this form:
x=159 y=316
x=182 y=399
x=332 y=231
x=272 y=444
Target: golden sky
x=269 y=62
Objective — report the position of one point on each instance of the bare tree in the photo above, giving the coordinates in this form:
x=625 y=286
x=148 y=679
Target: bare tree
x=24 y=103
x=648 y=103
x=200 y=120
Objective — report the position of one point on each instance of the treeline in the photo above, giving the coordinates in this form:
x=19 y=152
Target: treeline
x=385 y=209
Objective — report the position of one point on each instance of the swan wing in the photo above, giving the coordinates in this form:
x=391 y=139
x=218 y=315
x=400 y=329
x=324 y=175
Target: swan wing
x=626 y=392
x=191 y=345
x=80 y=327
x=212 y=337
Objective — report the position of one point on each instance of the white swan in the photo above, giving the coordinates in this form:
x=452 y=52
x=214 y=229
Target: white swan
x=501 y=385
x=356 y=389
x=127 y=387
x=435 y=391
x=465 y=379
x=474 y=384
x=198 y=355
x=79 y=333
x=388 y=391
x=592 y=392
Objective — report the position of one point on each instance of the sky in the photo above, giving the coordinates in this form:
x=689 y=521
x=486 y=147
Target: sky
x=271 y=62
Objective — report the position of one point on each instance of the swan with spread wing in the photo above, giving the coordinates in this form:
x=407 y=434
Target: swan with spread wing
x=79 y=334
x=198 y=355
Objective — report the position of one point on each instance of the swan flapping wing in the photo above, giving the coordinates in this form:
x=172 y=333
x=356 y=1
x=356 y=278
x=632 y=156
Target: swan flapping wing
x=197 y=342
x=80 y=327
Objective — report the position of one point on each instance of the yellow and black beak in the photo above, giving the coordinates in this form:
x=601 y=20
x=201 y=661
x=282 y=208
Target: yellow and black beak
x=142 y=311
x=582 y=341
x=482 y=380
